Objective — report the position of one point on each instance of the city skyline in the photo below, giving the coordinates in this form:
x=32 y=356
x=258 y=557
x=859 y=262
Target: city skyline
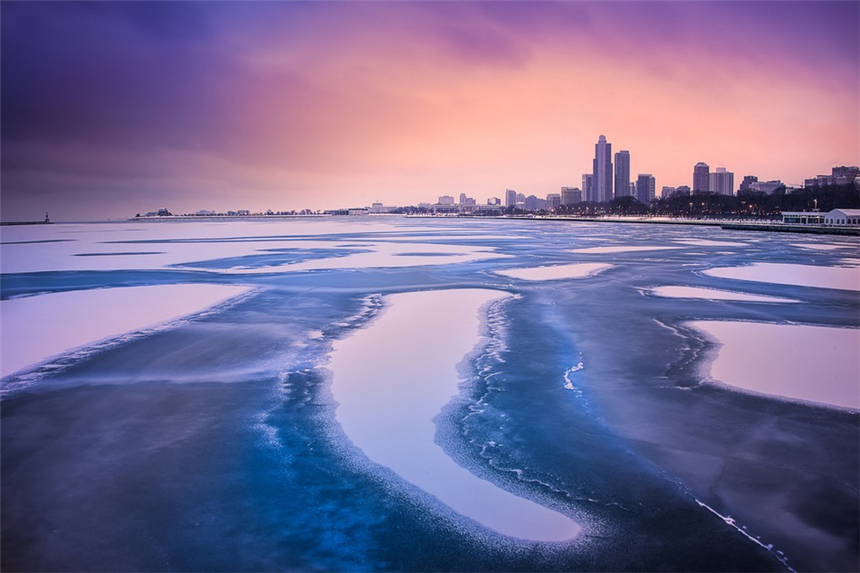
x=110 y=109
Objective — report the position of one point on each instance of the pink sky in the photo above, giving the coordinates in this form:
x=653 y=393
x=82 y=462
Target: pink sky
x=116 y=110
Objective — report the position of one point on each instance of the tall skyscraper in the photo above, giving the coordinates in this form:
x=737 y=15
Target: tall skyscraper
x=588 y=186
x=510 y=197
x=721 y=182
x=701 y=177
x=622 y=173
x=602 y=171
x=645 y=188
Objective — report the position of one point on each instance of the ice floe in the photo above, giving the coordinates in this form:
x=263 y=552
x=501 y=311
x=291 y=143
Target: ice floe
x=555 y=272
x=845 y=278
x=802 y=362
x=671 y=291
x=393 y=378
x=37 y=328
x=620 y=249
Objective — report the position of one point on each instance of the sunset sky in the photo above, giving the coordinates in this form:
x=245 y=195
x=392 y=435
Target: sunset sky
x=115 y=108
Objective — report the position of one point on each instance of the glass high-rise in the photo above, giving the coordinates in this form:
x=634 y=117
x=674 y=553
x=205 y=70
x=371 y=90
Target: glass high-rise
x=622 y=173
x=602 y=172
x=701 y=177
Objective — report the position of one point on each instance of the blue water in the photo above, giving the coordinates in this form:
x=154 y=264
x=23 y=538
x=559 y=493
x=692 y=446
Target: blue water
x=212 y=445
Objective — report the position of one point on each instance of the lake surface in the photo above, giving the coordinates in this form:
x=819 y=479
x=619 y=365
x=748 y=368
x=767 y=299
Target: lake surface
x=385 y=394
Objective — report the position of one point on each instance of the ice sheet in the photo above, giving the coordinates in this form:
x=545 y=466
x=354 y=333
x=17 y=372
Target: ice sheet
x=713 y=294
x=823 y=246
x=392 y=379
x=710 y=243
x=556 y=272
x=811 y=363
x=845 y=278
x=36 y=328
x=620 y=249
x=101 y=247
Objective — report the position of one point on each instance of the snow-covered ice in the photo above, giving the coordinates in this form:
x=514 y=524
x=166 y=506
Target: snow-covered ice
x=36 y=328
x=392 y=379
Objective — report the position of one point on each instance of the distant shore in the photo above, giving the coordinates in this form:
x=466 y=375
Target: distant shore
x=728 y=224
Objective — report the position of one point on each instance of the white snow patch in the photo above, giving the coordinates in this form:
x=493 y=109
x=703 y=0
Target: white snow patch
x=845 y=278
x=713 y=294
x=620 y=249
x=556 y=272
x=810 y=363
x=392 y=379
x=36 y=328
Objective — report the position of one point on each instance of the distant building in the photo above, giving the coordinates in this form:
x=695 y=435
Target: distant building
x=553 y=201
x=588 y=186
x=682 y=190
x=520 y=198
x=766 y=186
x=842 y=217
x=701 y=177
x=379 y=209
x=746 y=184
x=622 y=173
x=602 y=171
x=446 y=200
x=721 y=182
x=645 y=185
x=464 y=200
x=667 y=192
x=510 y=197
x=494 y=201
x=532 y=203
x=571 y=195
x=840 y=176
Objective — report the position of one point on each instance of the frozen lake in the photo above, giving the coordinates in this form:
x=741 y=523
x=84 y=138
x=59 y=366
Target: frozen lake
x=364 y=394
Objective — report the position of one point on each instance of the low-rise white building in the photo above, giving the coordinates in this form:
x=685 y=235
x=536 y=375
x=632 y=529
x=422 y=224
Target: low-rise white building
x=803 y=217
x=842 y=217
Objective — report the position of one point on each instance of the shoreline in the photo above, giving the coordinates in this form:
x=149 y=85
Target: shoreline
x=391 y=381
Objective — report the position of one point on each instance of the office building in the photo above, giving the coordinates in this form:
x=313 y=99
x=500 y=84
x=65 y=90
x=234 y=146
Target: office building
x=553 y=201
x=841 y=175
x=667 y=192
x=645 y=186
x=588 y=186
x=510 y=197
x=721 y=182
x=701 y=177
x=446 y=200
x=622 y=173
x=766 y=186
x=571 y=195
x=602 y=171
x=746 y=184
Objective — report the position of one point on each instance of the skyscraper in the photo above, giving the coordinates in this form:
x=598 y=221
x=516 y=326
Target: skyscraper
x=510 y=197
x=645 y=187
x=602 y=172
x=622 y=173
x=588 y=186
x=701 y=177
